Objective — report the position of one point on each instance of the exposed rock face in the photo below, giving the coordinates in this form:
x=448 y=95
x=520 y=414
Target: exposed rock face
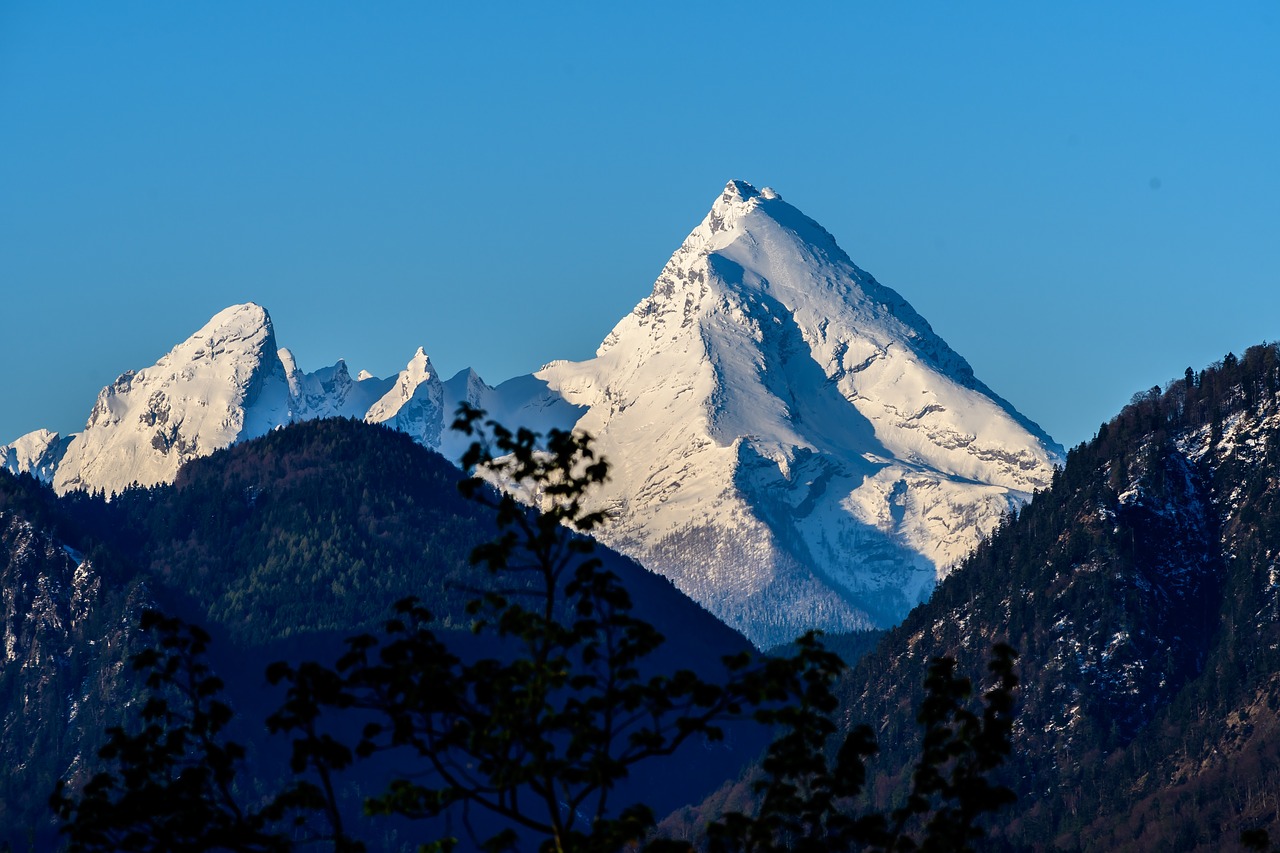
x=65 y=636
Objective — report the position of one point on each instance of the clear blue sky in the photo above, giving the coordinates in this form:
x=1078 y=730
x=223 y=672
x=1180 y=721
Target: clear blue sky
x=1083 y=199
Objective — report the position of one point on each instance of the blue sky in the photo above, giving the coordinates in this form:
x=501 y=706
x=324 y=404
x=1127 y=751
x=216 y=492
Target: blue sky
x=1083 y=199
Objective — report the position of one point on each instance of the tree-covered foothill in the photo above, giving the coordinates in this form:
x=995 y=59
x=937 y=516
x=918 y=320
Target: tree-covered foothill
x=1141 y=590
x=312 y=528
x=61 y=683
x=527 y=748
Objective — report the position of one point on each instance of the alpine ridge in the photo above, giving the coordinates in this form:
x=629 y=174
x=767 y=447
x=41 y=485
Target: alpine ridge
x=230 y=382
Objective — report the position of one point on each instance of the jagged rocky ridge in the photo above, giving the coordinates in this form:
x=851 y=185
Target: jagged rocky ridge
x=792 y=443
x=231 y=382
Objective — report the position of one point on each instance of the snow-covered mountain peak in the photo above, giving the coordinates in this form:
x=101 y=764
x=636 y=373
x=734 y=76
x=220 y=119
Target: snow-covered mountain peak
x=244 y=322
x=735 y=193
x=415 y=402
x=223 y=383
x=731 y=214
x=770 y=391
x=420 y=362
x=738 y=200
x=417 y=371
x=288 y=361
x=235 y=340
x=739 y=195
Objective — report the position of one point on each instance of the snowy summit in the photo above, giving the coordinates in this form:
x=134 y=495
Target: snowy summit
x=792 y=444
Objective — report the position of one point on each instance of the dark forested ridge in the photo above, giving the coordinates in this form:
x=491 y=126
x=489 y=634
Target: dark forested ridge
x=316 y=527
x=282 y=545
x=1143 y=591
x=66 y=609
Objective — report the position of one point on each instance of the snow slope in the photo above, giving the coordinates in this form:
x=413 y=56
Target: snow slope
x=36 y=453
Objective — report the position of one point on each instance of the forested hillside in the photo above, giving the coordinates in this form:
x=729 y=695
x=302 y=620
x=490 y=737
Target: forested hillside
x=282 y=546
x=317 y=527
x=67 y=631
x=1143 y=592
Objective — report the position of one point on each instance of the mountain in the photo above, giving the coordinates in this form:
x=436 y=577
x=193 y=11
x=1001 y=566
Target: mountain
x=1143 y=592
x=228 y=382
x=793 y=444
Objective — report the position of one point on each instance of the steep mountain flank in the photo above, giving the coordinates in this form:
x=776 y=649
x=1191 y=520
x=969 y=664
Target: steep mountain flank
x=1142 y=592
x=66 y=630
x=794 y=446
